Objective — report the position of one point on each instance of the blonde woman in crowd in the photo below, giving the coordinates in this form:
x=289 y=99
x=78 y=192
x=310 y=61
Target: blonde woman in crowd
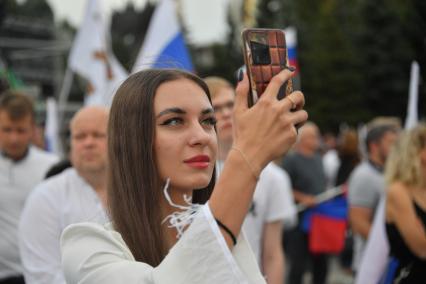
x=406 y=206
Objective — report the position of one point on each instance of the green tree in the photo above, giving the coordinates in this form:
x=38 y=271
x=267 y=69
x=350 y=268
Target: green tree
x=413 y=17
x=330 y=66
x=354 y=55
x=328 y=58
x=387 y=56
x=225 y=58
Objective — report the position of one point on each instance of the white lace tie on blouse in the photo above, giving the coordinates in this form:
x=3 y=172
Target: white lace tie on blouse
x=180 y=219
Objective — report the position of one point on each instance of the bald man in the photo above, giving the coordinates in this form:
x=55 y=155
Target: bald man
x=78 y=194
x=304 y=165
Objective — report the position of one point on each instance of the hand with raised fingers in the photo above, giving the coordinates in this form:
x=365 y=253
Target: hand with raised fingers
x=267 y=130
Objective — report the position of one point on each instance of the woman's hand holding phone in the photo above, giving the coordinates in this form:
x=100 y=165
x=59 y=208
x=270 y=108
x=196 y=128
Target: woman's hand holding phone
x=265 y=114
x=262 y=133
x=265 y=55
x=267 y=130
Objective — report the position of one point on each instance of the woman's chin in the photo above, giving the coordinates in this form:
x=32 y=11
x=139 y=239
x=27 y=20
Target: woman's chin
x=190 y=181
x=201 y=184
x=200 y=180
x=198 y=183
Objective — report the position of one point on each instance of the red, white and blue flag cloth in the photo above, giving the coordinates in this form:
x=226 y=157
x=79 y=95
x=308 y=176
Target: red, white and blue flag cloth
x=291 y=41
x=326 y=225
x=164 y=45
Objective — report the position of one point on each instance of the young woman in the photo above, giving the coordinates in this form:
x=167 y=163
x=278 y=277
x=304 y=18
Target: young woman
x=406 y=206
x=162 y=152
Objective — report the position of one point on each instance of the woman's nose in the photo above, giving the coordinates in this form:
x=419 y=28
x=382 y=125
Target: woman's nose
x=198 y=135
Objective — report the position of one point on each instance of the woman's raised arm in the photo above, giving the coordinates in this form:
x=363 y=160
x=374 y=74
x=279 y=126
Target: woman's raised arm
x=262 y=133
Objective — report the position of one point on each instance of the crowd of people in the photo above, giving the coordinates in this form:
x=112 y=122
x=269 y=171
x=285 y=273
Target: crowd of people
x=181 y=182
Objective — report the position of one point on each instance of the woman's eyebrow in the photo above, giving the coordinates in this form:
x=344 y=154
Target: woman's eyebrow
x=171 y=110
x=207 y=111
x=177 y=110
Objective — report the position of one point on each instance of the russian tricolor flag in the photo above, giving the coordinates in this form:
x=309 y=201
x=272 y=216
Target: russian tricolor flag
x=291 y=41
x=326 y=225
x=164 y=45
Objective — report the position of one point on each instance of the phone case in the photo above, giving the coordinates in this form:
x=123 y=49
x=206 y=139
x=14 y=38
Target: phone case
x=260 y=69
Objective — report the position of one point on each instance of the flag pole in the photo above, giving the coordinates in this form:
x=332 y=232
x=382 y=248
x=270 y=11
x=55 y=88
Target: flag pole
x=323 y=197
x=52 y=128
x=412 y=116
x=63 y=95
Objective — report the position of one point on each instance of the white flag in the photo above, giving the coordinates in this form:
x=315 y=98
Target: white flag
x=164 y=45
x=362 y=137
x=51 y=132
x=375 y=257
x=119 y=75
x=412 y=117
x=90 y=57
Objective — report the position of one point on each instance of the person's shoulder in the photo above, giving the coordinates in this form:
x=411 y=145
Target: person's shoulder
x=58 y=168
x=56 y=182
x=91 y=252
x=274 y=171
x=88 y=228
x=95 y=236
x=272 y=168
x=43 y=156
x=360 y=179
x=366 y=166
x=361 y=169
x=397 y=191
x=290 y=157
x=48 y=191
x=331 y=155
x=367 y=173
x=398 y=199
x=91 y=229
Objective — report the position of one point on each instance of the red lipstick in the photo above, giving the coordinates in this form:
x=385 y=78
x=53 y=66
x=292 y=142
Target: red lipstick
x=199 y=161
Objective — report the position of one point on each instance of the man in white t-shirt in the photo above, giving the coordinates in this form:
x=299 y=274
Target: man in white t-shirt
x=76 y=195
x=22 y=166
x=272 y=202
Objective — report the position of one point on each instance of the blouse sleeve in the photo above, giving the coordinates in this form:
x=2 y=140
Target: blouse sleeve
x=93 y=254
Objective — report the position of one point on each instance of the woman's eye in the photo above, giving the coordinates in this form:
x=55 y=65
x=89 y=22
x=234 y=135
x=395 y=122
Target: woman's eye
x=172 y=121
x=211 y=121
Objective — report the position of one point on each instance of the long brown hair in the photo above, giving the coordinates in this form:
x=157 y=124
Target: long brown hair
x=134 y=186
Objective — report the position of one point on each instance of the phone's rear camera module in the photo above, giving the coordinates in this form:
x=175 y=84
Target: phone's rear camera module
x=260 y=53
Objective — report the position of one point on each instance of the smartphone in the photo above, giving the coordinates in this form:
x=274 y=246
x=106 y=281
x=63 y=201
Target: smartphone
x=265 y=55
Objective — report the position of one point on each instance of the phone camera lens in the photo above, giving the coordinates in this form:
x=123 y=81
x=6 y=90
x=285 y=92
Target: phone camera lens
x=260 y=53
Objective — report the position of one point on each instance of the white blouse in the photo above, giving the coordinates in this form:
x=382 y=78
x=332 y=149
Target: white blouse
x=92 y=253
